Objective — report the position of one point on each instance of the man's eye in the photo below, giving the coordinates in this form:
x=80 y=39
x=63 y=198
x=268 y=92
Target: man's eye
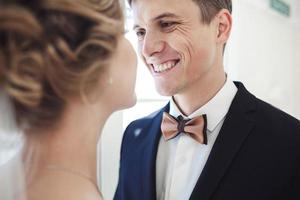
x=166 y=24
x=140 y=33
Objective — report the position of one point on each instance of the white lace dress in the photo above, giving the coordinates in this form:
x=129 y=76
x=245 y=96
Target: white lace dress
x=12 y=184
x=11 y=170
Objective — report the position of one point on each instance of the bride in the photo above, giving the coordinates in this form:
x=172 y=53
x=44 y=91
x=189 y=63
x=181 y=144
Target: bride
x=64 y=68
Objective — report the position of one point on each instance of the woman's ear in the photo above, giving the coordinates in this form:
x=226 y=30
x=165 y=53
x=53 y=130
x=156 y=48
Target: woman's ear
x=224 y=23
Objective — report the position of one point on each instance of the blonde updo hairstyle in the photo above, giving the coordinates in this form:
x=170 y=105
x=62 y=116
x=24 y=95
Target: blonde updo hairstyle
x=52 y=51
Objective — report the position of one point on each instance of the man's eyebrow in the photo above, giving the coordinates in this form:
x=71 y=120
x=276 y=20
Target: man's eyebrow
x=163 y=15
x=135 y=27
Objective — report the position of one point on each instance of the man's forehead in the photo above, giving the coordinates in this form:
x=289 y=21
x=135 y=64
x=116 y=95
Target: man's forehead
x=150 y=12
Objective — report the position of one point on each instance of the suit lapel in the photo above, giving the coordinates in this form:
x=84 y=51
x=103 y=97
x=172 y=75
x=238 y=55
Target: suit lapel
x=237 y=125
x=153 y=134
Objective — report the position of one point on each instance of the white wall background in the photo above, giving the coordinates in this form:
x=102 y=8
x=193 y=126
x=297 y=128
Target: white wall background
x=109 y=154
x=263 y=53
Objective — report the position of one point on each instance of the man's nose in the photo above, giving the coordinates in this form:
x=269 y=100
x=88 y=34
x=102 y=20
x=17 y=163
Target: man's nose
x=152 y=44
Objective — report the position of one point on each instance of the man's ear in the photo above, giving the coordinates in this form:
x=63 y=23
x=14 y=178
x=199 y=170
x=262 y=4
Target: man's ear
x=224 y=23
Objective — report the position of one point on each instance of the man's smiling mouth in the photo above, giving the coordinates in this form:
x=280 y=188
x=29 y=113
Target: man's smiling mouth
x=163 y=67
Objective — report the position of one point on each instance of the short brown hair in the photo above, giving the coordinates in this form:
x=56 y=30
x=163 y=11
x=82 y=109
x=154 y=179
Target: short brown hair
x=208 y=8
x=54 y=50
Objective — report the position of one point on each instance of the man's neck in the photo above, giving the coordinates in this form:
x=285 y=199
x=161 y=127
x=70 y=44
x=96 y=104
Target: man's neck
x=197 y=95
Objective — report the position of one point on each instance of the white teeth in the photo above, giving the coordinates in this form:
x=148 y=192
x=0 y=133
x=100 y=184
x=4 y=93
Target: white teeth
x=164 y=66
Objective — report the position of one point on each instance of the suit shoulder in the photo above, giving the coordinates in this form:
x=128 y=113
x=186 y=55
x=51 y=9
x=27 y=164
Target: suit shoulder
x=278 y=119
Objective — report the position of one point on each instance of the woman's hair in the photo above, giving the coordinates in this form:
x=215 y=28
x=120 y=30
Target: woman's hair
x=52 y=51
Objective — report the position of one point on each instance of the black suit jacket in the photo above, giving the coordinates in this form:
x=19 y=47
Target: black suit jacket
x=256 y=155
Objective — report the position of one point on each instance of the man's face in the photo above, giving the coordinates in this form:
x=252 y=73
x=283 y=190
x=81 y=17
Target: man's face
x=178 y=49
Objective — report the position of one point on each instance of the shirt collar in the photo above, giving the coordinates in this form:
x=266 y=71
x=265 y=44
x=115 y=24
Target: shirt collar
x=215 y=109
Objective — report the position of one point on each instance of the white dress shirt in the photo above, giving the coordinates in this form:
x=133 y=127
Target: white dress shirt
x=181 y=160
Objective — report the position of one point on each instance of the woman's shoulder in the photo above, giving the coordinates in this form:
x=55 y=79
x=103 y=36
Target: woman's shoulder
x=62 y=187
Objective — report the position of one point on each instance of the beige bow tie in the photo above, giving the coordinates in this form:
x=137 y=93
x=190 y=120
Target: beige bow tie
x=195 y=127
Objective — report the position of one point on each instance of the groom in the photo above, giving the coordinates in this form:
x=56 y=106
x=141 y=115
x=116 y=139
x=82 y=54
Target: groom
x=214 y=139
